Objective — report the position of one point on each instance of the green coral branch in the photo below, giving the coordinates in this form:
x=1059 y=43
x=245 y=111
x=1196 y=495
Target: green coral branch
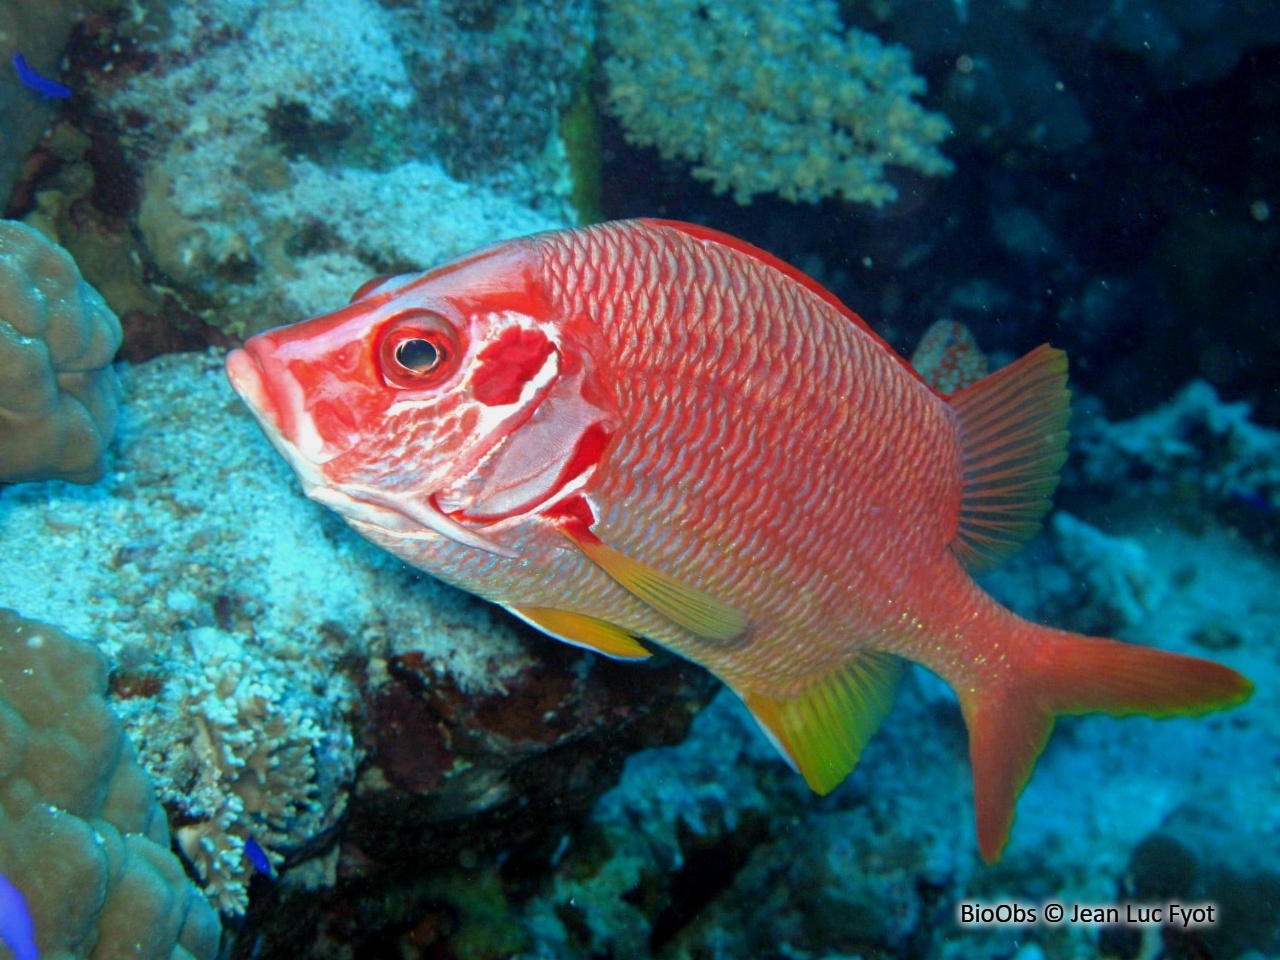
x=765 y=98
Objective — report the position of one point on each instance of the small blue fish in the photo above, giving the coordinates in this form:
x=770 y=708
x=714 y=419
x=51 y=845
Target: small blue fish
x=49 y=89
x=16 y=929
x=258 y=858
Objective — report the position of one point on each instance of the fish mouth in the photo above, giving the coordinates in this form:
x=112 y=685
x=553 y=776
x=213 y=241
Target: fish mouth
x=275 y=398
x=245 y=374
x=275 y=415
x=249 y=379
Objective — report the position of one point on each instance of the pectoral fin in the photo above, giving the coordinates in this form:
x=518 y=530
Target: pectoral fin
x=584 y=631
x=693 y=609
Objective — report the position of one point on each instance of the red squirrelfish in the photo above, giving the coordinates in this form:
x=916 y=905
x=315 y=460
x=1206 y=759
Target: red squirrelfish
x=649 y=430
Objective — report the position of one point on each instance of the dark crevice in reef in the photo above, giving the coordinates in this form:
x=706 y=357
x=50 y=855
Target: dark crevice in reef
x=299 y=133
x=711 y=865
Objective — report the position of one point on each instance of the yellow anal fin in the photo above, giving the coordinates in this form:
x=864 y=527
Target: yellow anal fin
x=823 y=731
x=1013 y=441
x=582 y=630
x=693 y=609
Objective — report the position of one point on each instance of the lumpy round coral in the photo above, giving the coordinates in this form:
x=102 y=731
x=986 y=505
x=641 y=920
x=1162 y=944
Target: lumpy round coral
x=58 y=392
x=81 y=834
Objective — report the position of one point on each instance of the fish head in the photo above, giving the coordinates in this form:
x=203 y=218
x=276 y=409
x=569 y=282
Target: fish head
x=441 y=406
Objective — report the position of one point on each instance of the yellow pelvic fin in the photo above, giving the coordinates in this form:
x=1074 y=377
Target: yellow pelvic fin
x=1013 y=441
x=696 y=611
x=582 y=630
x=823 y=731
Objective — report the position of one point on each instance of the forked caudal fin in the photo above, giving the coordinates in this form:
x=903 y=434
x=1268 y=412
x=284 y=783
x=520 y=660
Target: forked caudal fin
x=1009 y=722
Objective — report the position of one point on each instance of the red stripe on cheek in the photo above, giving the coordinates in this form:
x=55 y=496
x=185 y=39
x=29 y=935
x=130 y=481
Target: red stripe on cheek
x=333 y=419
x=468 y=420
x=590 y=449
x=507 y=364
x=575 y=512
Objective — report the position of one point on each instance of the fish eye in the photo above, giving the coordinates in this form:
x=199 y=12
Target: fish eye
x=419 y=355
x=418 y=350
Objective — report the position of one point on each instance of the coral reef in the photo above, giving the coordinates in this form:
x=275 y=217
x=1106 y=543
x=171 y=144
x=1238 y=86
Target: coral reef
x=764 y=99
x=58 y=392
x=1193 y=447
x=1110 y=586
x=437 y=752
x=229 y=610
x=424 y=775
x=269 y=761
x=1200 y=854
x=78 y=190
x=948 y=357
x=81 y=834
x=715 y=848
x=372 y=149
x=679 y=826
x=463 y=793
x=38 y=29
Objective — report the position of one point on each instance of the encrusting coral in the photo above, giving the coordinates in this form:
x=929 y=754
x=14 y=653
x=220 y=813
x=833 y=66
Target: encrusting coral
x=58 y=392
x=81 y=834
x=766 y=97
x=261 y=765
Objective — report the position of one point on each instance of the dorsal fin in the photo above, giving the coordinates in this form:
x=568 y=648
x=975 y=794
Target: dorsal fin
x=822 y=732
x=1013 y=442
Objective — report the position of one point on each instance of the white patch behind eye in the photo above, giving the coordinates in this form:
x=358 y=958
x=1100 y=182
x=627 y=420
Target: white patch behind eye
x=409 y=406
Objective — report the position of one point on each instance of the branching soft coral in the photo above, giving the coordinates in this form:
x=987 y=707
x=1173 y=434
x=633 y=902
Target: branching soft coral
x=768 y=97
